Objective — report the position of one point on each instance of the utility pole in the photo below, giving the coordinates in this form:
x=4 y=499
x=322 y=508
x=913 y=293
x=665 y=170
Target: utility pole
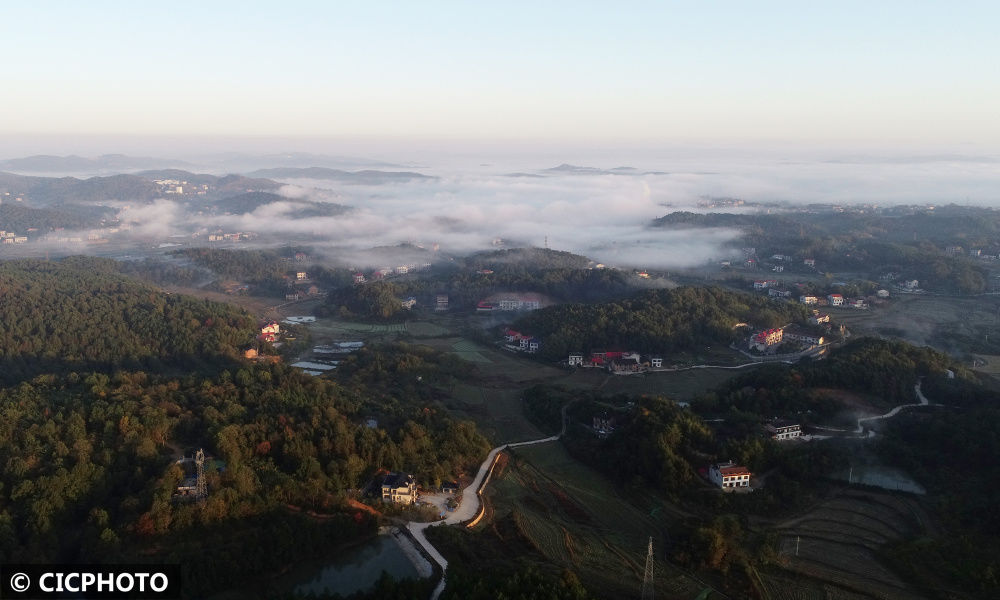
x=647 y=580
x=797 y=540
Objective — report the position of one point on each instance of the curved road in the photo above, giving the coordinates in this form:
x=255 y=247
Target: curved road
x=892 y=413
x=470 y=503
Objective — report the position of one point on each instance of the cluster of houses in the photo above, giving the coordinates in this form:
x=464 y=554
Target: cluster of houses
x=520 y=342
x=973 y=253
x=300 y=286
x=767 y=339
x=509 y=302
x=730 y=476
x=9 y=237
x=615 y=361
x=238 y=236
x=809 y=300
x=384 y=272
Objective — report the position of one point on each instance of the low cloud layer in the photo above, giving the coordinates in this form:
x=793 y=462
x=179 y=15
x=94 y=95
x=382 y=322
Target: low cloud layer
x=603 y=216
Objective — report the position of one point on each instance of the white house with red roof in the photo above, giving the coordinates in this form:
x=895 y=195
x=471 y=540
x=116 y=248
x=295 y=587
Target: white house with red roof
x=835 y=300
x=729 y=475
x=767 y=338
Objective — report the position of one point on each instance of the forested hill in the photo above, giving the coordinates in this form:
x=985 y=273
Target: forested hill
x=81 y=314
x=654 y=321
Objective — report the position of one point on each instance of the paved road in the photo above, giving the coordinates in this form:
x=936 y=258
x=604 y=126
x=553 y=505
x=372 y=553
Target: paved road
x=470 y=503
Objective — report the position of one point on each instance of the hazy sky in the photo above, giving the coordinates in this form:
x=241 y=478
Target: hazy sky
x=871 y=72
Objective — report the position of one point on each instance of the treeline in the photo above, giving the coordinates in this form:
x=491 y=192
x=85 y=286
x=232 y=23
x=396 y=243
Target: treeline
x=269 y=272
x=81 y=314
x=465 y=289
x=20 y=218
x=655 y=321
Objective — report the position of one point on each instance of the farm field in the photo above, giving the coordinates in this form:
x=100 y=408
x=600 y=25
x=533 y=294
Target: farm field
x=498 y=413
x=676 y=385
x=576 y=519
x=838 y=541
x=917 y=318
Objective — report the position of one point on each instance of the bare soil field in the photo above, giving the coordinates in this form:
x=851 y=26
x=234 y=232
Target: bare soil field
x=836 y=543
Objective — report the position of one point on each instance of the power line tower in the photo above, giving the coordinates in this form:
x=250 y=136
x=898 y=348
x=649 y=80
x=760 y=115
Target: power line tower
x=647 y=580
x=201 y=488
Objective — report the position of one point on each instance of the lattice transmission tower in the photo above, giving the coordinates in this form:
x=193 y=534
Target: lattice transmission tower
x=647 y=580
x=201 y=488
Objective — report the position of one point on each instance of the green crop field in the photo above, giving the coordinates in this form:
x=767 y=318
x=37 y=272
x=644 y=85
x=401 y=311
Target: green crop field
x=677 y=385
x=497 y=412
x=578 y=519
x=425 y=329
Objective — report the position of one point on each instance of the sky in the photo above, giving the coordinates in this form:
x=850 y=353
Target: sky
x=902 y=74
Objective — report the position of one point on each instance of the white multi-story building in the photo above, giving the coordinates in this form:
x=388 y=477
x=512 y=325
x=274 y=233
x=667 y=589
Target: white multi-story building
x=729 y=475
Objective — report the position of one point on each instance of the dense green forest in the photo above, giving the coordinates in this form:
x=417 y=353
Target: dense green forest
x=559 y=275
x=87 y=457
x=654 y=321
x=20 y=218
x=251 y=201
x=886 y=369
x=911 y=241
x=81 y=314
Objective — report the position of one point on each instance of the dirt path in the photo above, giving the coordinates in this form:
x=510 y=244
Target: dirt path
x=471 y=501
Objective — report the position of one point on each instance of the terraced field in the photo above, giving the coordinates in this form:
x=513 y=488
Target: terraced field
x=576 y=518
x=837 y=543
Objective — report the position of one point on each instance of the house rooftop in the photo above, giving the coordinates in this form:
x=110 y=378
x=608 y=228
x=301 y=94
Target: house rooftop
x=397 y=480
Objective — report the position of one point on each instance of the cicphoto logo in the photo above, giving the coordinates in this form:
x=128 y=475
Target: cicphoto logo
x=90 y=581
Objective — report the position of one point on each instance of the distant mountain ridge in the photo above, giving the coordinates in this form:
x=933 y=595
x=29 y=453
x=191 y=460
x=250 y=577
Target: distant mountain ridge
x=47 y=163
x=567 y=169
x=365 y=177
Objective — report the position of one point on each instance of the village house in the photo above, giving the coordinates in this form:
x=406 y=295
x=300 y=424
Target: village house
x=835 y=300
x=780 y=430
x=485 y=307
x=409 y=303
x=603 y=424
x=575 y=359
x=656 y=362
x=269 y=332
x=808 y=300
x=778 y=268
x=441 y=302
x=800 y=335
x=911 y=284
x=760 y=284
x=300 y=276
x=819 y=318
x=858 y=303
x=449 y=487
x=766 y=339
x=809 y=262
x=402 y=270
x=882 y=294
x=293 y=296
x=776 y=293
x=729 y=475
x=399 y=488
x=359 y=278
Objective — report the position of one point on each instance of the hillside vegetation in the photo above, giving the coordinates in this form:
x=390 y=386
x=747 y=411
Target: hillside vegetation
x=654 y=321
